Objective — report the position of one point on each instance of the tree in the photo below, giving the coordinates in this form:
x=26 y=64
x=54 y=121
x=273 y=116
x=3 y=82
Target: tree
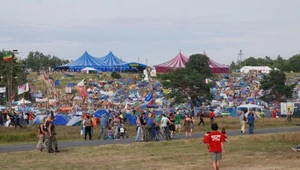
x=275 y=88
x=12 y=71
x=37 y=61
x=188 y=83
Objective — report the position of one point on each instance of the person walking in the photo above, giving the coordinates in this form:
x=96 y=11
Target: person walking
x=51 y=135
x=164 y=126
x=243 y=121
x=201 y=119
x=141 y=121
x=289 y=115
x=177 y=123
x=274 y=113
x=251 y=120
x=18 y=119
x=215 y=145
x=211 y=116
x=88 y=127
x=116 y=124
x=187 y=126
x=104 y=126
x=41 y=136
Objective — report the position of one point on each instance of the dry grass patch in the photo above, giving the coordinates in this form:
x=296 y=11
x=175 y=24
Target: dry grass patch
x=271 y=151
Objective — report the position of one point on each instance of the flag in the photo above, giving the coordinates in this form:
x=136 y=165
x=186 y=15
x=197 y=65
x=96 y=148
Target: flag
x=2 y=89
x=81 y=83
x=23 y=88
x=7 y=58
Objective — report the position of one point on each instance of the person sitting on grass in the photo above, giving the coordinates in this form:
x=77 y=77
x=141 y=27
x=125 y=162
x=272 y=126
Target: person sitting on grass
x=215 y=143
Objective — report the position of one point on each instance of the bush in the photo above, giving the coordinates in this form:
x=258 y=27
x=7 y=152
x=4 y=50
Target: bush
x=115 y=75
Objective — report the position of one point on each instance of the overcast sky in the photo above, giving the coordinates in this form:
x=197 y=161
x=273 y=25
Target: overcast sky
x=156 y=29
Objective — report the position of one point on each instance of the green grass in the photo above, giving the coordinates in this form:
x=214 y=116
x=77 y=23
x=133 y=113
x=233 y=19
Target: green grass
x=257 y=152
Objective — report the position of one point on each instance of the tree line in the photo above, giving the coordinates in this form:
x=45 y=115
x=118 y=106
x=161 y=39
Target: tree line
x=38 y=61
x=291 y=64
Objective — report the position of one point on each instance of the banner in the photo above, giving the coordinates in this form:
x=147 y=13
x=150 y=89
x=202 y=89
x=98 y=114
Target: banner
x=41 y=100
x=23 y=88
x=2 y=89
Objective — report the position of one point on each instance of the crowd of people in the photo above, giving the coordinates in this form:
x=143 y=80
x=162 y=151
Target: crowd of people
x=14 y=118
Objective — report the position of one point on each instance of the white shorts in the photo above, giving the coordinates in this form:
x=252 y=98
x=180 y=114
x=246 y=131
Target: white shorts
x=177 y=126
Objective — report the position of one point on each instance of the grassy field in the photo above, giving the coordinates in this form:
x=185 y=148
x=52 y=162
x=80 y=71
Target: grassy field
x=29 y=134
x=255 y=152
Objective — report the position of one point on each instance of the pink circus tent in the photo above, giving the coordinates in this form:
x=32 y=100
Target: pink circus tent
x=177 y=62
x=180 y=60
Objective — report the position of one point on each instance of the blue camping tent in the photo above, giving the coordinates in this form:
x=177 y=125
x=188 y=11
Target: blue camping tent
x=111 y=60
x=61 y=120
x=86 y=60
x=99 y=113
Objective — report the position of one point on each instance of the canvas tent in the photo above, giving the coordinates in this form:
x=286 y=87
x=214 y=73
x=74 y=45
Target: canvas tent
x=177 y=62
x=88 y=69
x=180 y=60
x=262 y=69
x=75 y=120
x=86 y=60
x=217 y=67
x=111 y=60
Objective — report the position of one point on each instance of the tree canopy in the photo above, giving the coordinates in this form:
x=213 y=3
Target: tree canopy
x=188 y=82
x=274 y=86
x=38 y=61
x=290 y=64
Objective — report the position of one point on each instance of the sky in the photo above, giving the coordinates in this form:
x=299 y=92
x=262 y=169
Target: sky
x=153 y=31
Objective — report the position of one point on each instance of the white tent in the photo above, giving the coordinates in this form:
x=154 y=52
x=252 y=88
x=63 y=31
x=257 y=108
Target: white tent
x=88 y=69
x=263 y=69
x=23 y=101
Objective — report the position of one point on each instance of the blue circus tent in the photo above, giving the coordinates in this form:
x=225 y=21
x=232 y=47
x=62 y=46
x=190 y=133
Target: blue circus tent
x=111 y=60
x=86 y=60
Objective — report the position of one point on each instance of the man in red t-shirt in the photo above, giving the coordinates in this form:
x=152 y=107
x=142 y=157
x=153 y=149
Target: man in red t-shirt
x=214 y=141
x=274 y=113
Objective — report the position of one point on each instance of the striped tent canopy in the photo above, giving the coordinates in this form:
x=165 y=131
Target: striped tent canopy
x=177 y=62
x=86 y=60
x=217 y=67
x=180 y=60
x=111 y=60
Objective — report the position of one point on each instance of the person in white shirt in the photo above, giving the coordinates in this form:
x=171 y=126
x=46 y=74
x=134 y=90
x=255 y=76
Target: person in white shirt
x=164 y=126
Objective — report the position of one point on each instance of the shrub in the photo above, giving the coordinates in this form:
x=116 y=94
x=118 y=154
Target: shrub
x=115 y=75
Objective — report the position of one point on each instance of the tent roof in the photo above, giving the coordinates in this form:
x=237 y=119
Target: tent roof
x=177 y=62
x=180 y=60
x=110 y=60
x=86 y=60
x=214 y=64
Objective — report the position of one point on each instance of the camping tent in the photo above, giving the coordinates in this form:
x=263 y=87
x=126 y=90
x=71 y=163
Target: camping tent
x=88 y=69
x=263 y=69
x=99 y=113
x=86 y=60
x=177 y=62
x=75 y=120
x=61 y=120
x=180 y=60
x=23 y=101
